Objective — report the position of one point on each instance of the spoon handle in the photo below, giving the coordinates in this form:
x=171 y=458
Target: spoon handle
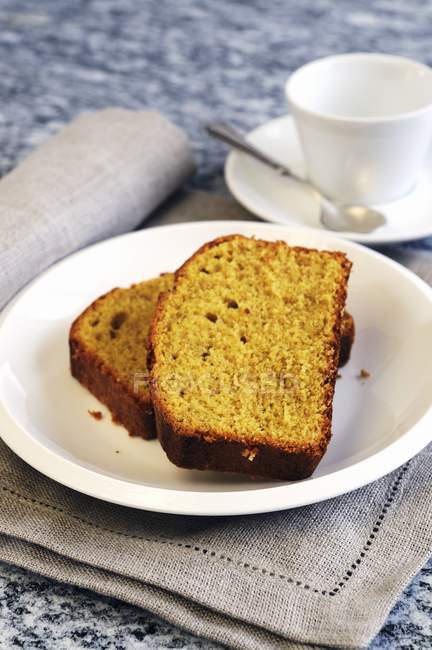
x=229 y=135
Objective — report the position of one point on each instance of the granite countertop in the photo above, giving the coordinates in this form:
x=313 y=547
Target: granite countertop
x=194 y=62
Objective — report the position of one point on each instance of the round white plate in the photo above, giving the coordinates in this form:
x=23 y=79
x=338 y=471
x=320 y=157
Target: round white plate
x=280 y=200
x=379 y=423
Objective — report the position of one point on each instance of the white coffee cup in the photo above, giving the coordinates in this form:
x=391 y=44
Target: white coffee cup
x=365 y=124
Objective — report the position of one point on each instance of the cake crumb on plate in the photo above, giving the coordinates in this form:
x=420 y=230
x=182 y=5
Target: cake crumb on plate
x=97 y=415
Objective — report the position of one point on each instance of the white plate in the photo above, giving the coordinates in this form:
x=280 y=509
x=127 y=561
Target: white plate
x=378 y=423
x=275 y=198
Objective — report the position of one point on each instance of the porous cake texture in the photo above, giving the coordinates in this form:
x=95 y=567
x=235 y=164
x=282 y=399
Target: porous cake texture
x=108 y=352
x=243 y=356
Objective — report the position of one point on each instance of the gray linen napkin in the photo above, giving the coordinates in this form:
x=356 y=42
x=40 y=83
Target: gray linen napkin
x=100 y=176
x=325 y=574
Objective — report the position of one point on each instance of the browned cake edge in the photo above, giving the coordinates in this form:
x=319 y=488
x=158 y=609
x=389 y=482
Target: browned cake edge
x=347 y=338
x=127 y=408
x=196 y=450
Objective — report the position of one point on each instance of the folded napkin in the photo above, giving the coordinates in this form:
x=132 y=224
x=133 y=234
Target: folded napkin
x=325 y=574
x=100 y=176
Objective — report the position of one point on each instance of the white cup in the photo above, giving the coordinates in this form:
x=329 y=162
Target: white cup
x=365 y=124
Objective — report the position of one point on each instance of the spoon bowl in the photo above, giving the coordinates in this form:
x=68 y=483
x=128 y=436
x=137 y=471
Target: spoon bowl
x=359 y=218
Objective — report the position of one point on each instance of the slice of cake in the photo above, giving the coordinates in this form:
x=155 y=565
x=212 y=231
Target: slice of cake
x=108 y=352
x=244 y=354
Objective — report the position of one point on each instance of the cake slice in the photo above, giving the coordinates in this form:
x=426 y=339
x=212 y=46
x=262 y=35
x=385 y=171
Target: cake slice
x=108 y=352
x=243 y=357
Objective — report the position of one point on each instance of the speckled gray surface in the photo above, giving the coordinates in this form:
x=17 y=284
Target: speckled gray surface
x=193 y=61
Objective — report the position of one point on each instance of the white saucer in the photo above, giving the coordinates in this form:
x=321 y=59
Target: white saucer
x=280 y=200
x=378 y=423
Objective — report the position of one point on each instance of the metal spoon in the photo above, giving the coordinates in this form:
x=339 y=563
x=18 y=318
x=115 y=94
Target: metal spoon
x=333 y=215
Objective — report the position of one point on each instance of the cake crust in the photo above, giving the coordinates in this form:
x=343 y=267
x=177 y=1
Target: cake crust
x=216 y=450
x=347 y=338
